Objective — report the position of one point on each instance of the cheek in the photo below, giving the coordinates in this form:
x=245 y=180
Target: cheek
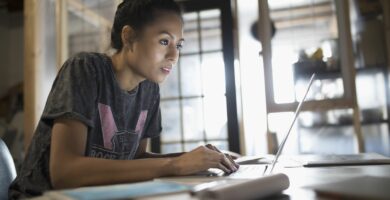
x=154 y=55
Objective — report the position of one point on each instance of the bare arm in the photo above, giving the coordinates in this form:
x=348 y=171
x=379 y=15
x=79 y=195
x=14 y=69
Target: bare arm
x=142 y=153
x=70 y=168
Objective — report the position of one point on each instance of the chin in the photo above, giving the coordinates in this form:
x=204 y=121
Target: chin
x=157 y=80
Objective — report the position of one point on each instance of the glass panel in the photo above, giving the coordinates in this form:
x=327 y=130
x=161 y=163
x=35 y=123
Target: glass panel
x=327 y=140
x=171 y=148
x=193 y=119
x=215 y=117
x=170 y=87
x=279 y=123
x=305 y=40
x=188 y=146
x=377 y=138
x=210 y=14
x=170 y=113
x=191 y=33
x=211 y=30
x=191 y=80
x=105 y=8
x=89 y=26
x=320 y=89
x=213 y=71
x=373 y=96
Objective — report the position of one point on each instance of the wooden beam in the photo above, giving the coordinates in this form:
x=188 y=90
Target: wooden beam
x=32 y=58
x=264 y=32
x=79 y=9
x=298 y=12
x=304 y=21
x=61 y=32
x=348 y=67
x=312 y=105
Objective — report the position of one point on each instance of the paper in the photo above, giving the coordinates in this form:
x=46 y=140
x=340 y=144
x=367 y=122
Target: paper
x=245 y=189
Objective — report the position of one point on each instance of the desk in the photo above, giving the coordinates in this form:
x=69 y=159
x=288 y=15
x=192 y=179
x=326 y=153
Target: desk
x=302 y=176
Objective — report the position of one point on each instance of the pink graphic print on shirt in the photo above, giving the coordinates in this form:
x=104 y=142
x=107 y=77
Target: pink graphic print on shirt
x=141 y=121
x=108 y=124
x=109 y=127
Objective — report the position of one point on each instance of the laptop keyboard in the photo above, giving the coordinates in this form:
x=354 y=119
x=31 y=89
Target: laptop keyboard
x=244 y=172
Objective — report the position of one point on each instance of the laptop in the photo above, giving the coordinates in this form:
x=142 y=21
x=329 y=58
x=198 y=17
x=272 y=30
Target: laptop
x=254 y=171
x=341 y=159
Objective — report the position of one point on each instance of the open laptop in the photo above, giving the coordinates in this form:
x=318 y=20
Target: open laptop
x=341 y=159
x=253 y=171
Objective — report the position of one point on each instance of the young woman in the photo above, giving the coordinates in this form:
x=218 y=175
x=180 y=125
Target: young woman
x=102 y=109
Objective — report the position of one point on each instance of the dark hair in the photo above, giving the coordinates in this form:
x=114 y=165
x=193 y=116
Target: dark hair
x=137 y=14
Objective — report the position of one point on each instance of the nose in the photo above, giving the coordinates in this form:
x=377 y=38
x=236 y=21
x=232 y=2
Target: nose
x=173 y=54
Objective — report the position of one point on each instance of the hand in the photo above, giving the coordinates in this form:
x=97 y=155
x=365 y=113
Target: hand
x=228 y=156
x=201 y=159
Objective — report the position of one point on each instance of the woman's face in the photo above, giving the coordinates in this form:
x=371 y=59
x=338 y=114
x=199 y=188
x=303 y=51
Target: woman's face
x=156 y=50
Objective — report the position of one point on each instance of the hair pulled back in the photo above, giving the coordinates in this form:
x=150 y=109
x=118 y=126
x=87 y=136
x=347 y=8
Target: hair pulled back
x=137 y=14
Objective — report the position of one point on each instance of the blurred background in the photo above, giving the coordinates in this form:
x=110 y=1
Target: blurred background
x=244 y=66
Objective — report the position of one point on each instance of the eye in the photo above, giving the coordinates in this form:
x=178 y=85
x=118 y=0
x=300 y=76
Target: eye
x=179 y=46
x=164 y=42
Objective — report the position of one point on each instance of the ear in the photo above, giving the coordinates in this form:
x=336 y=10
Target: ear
x=128 y=37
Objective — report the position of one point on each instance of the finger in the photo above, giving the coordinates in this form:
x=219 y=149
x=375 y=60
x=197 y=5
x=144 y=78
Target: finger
x=232 y=160
x=209 y=146
x=223 y=168
x=233 y=157
x=228 y=163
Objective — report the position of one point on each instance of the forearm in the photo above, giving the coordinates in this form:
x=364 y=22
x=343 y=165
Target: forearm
x=158 y=155
x=84 y=171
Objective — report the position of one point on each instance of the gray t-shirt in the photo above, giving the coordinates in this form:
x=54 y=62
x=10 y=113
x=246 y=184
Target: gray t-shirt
x=86 y=90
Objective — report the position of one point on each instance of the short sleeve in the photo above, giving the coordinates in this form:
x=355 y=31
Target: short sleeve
x=74 y=92
x=154 y=128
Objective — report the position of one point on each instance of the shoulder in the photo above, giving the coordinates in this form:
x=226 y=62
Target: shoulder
x=85 y=62
x=88 y=58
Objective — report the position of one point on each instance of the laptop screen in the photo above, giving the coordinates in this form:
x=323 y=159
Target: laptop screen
x=296 y=114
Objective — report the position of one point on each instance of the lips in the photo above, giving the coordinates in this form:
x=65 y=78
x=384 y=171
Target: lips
x=166 y=69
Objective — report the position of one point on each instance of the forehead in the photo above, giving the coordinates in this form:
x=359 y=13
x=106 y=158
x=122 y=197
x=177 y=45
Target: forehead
x=166 y=22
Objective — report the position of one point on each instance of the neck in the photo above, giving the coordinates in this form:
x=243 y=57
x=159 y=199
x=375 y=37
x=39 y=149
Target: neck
x=126 y=78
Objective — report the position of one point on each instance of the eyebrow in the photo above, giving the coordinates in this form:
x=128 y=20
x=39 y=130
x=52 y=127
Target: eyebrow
x=171 y=36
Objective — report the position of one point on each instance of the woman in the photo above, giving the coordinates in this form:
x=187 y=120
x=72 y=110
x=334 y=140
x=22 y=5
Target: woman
x=102 y=109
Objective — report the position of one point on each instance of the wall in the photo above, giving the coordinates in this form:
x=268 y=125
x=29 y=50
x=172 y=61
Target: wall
x=11 y=50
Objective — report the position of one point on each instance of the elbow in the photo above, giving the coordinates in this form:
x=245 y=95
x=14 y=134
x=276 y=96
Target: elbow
x=62 y=176
x=58 y=179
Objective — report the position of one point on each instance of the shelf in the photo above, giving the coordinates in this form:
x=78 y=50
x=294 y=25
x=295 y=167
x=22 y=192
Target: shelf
x=371 y=69
x=324 y=73
x=312 y=105
x=306 y=69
